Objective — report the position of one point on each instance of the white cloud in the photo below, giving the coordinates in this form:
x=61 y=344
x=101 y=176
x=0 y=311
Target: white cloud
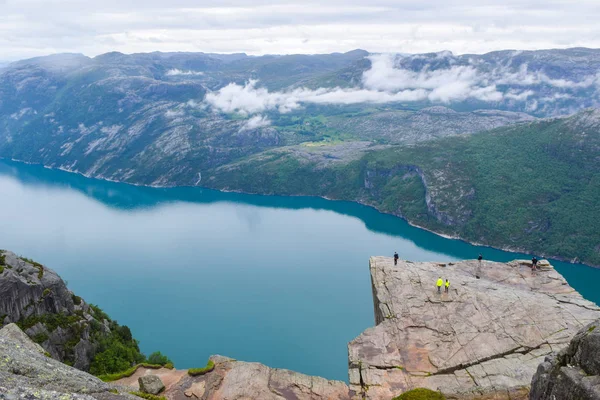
x=258 y=121
x=174 y=113
x=177 y=72
x=386 y=81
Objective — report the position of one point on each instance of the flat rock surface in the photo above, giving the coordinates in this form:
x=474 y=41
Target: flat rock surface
x=233 y=379
x=484 y=339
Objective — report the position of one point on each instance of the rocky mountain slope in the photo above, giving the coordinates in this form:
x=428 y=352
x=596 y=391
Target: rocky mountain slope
x=530 y=187
x=67 y=328
x=574 y=372
x=483 y=339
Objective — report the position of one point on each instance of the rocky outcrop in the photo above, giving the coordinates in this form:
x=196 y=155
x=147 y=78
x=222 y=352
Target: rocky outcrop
x=37 y=299
x=484 y=339
x=231 y=379
x=574 y=372
x=26 y=372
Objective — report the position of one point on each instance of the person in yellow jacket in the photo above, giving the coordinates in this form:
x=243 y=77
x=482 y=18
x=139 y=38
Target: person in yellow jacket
x=440 y=282
x=447 y=285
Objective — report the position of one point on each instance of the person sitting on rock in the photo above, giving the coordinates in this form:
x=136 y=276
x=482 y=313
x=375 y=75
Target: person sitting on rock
x=440 y=282
x=534 y=262
x=447 y=285
x=396 y=258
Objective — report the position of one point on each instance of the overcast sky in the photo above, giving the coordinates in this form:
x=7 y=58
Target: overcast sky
x=38 y=27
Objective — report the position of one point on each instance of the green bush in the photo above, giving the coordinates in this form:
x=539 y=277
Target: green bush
x=127 y=373
x=46 y=292
x=169 y=365
x=1 y=269
x=40 y=338
x=420 y=394
x=76 y=300
x=148 y=396
x=201 y=371
x=158 y=358
x=2 y=258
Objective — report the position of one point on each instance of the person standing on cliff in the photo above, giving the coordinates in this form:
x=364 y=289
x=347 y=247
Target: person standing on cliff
x=440 y=282
x=447 y=285
x=396 y=258
x=534 y=262
x=478 y=272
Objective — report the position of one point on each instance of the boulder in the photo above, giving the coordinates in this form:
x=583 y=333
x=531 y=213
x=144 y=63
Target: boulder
x=26 y=372
x=574 y=372
x=151 y=384
x=484 y=339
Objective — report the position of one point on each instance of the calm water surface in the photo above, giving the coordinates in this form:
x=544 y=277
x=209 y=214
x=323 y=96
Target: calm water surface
x=194 y=272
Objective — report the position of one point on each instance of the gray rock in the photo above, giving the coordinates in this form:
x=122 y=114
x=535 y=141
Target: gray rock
x=486 y=337
x=151 y=384
x=574 y=372
x=27 y=373
x=29 y=289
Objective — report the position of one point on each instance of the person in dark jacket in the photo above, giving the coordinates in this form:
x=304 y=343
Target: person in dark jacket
x=478 y=272
x=534 y=262
x=396 y=258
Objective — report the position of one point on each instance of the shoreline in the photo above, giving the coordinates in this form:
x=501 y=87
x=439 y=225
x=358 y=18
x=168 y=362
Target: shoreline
x=356 y=201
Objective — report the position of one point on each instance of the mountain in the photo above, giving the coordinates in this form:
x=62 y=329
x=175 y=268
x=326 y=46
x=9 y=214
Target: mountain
x=170 y=119
x=531 y=187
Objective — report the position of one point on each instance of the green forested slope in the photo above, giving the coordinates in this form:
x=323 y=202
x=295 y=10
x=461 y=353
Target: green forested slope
x=533 y=187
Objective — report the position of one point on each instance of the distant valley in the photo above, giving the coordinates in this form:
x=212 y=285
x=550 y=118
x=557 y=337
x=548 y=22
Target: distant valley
x=474 y=146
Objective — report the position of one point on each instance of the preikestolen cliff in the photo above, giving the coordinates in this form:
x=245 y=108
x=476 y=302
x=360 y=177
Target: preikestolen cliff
x=199 y=225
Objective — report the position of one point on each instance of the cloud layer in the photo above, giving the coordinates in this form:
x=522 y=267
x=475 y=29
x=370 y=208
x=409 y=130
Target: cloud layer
x=386 y=82
x=38 y=27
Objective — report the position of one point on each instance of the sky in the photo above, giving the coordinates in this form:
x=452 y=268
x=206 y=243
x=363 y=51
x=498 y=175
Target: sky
x=38 y=27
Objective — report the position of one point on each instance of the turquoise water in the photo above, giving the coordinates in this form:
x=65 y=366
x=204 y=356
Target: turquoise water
x=194 y=272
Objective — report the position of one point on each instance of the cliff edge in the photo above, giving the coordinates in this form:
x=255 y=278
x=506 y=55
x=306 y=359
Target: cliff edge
x=484 y=339
x=574 y=372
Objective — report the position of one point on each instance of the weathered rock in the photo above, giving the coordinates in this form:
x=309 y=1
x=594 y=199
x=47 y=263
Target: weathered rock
x=31 y=290
x=27 y=373
x=574 y=372
x=151 y=384
x=484 y=339
x=231 y=379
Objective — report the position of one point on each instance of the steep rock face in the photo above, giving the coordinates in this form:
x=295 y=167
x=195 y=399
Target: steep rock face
x=484 y=339
x=574 y=372
x=38 y=300
x=27 y=373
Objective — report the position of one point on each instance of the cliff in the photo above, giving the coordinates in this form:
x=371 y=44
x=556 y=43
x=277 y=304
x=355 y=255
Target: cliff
x=37 y=299
x=484 y=339
x=574 y=372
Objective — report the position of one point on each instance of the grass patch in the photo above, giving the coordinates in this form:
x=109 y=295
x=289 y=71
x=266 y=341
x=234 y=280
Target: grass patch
x=591 y=329
x=1 y=269
x=148 y=396
x=46 y=292
x=201 y=371
x=126 y=373
x=2 y=258
x=420 y=394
